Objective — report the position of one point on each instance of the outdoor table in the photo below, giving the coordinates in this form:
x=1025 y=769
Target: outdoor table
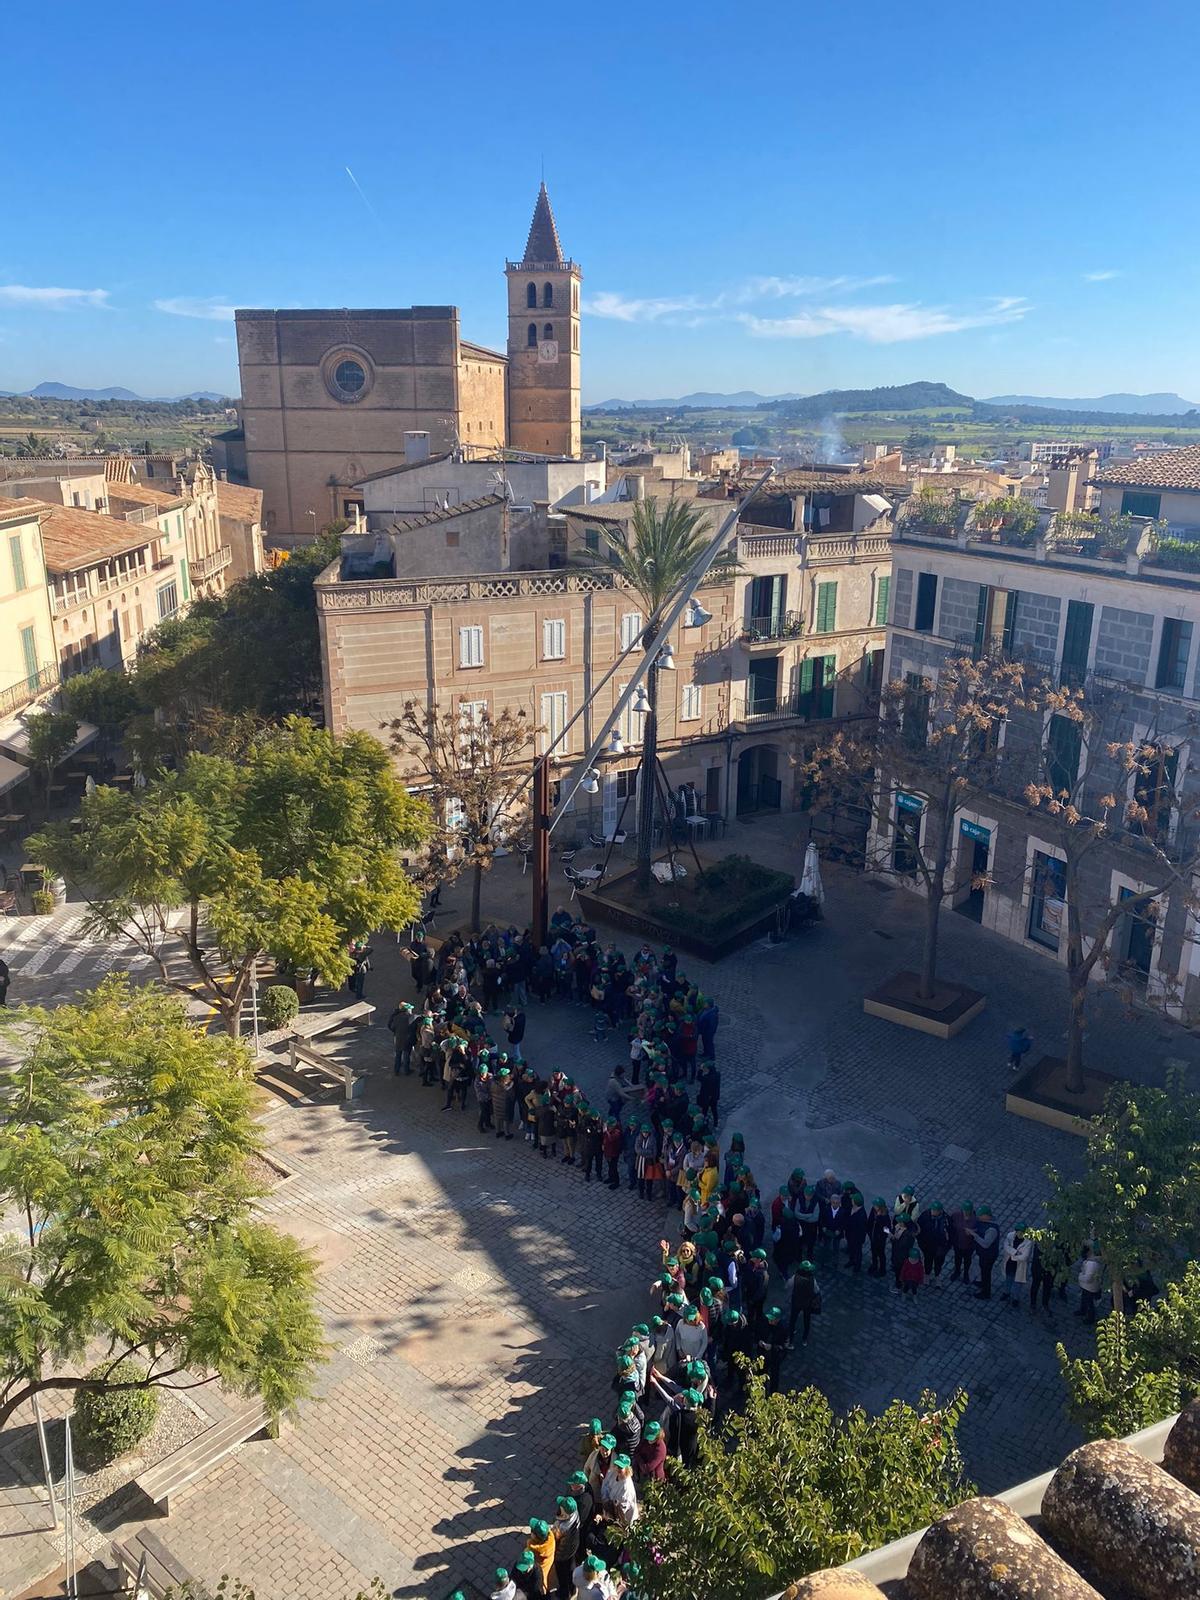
x=32 y=869
x=698 y=824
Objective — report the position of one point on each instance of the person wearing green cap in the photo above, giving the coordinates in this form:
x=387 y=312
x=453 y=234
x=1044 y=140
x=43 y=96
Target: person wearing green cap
x=683 y=1426
x=566 y=1541
x=592 y=1581
x=933 y=1233
x=627 y=1428
x=806 y=1300
x=540 y=1544
x=650 y=1457
x=772 y=1342
x=912 y=1271
x=618 y=1497
x=1018 y=1247
x=986 y=1237
x=879 y=1231
x=599 y=1462
x=906 y=1204
x=591 y=1439
x=504 y=1102
x=505 y=1588
x=527 y=1576
x=962 y=1221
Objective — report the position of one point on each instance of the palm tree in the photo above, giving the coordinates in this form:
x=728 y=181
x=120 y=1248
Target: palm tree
x=652 y=555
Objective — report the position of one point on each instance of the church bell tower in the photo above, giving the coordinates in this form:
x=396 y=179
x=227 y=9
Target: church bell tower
x=543 y=342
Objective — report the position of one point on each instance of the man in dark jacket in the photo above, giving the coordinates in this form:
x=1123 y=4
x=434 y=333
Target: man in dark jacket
x=879 y=1231
x=962 y=1224
x=855 y=1229
x=708 y=1091
x=986 y=1236
x=771 y=1343
x=933 y=1230
x=580 y=1490
x=806 y=1297
x=514 y=1029
x=591 y=1139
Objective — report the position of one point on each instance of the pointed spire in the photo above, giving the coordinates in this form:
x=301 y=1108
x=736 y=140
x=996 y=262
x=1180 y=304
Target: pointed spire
x=542 y=243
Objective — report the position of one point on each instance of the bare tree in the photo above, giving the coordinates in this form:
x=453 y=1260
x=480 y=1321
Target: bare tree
x=937 y=742
x=1110 y=802
x=470 y=763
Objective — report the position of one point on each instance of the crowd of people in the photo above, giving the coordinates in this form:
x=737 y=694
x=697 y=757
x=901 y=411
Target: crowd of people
x=716 y=1298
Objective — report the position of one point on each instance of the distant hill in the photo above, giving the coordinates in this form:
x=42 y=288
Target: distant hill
x=919 y=396
x=1157 y=405
x=66 y=391
x=700 y=401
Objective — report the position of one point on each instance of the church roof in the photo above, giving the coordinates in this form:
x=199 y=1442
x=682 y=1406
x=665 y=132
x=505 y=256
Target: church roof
x=542 y=243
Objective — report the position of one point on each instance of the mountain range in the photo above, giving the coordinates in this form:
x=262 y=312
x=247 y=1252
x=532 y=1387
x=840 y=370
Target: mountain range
x=65 y=391
x=1157 y=405
x=702 y=400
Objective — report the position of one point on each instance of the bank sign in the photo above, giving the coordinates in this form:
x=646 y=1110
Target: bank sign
x=974 y=831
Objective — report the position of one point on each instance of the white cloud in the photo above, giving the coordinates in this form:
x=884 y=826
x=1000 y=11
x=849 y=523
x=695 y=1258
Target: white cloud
x=886 y=324
x=20 y=294
x=772 y=288
x=624 y=309
x=1102 y=276
x=209 y=308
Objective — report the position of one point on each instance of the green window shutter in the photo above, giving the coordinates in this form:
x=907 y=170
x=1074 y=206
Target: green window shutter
x=1010 y=620
x=828 y=677
x=882 y=595
x=806 y=684
x=29 y=655
x=1077 y=638
x=981 y=610
x=1064 y=743
x=183 y=573
x=826 y=607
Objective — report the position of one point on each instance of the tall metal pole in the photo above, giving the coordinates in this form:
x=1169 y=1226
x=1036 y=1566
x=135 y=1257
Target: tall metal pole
x=541 y=850
x=41 y=1433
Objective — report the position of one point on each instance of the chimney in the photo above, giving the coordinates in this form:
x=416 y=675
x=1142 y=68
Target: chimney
x=635 y=482
x=416 y=446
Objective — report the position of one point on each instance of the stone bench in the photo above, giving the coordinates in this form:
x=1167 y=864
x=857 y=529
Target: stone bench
x=301 y=1053
x=316 y=1023
x=192 y=1460
x=146 y=1566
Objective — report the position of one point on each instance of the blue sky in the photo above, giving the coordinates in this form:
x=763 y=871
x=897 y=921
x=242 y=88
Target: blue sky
x=786 y=196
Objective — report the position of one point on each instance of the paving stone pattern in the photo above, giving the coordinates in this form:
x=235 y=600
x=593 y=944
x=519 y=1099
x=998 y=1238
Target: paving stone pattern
x=474 y=1292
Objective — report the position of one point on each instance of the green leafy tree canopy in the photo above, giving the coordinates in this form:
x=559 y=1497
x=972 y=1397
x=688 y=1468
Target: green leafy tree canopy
x=289 y=852
x=123 y=1149
x=788 y=1486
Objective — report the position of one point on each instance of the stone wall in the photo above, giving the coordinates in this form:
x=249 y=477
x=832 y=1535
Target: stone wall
x=1123 y=643
x=1035 y=630
x=958 y=609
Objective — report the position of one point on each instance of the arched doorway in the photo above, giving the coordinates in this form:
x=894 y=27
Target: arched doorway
x=759 y=786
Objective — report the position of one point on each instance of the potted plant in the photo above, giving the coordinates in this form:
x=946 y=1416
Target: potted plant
x=42 y=901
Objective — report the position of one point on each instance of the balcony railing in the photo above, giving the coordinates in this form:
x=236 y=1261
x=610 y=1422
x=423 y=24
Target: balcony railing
x=205 y=567
x=778 y=625
x=29 y=688
x=772 y=708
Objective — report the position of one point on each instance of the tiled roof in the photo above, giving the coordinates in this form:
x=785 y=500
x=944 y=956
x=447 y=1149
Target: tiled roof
x=401 y=466
x=480 y=352
x=137 y=494
x=1109 y=1524
x=1169 y=469
x=20 y=508
x=74 y=538
x=446 y=513
x=542 y=243
x=235 y=500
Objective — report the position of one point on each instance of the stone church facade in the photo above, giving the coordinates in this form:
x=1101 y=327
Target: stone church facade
x=327 y=396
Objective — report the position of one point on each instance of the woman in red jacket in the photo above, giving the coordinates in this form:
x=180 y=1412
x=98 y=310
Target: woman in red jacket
x=650 y=1457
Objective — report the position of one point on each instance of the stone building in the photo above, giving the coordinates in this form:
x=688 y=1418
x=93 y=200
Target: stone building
x=543 y=639
x=327 y=396
x=28 y=658
x=1118 y=614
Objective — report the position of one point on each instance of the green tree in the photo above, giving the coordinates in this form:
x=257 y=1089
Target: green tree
x=1138 y=1201
x=123 y=1150
x=289 y=852
x=1146 y=1367
x=652 y=555
x=106 y=696
x=788 y=1487
x=932 y=507
x=471 y=770
x=49 y=735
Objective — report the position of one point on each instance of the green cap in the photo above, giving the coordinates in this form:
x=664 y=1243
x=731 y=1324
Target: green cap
x=625 y=1404
x=579 y=1479
x=501 y=1574
x=595 y=1426
x=774 y=1314
x=594 y=1564
x=693 y=1397
x=938 y=1206
x=652 y=1431
x=525 y=1561
x=538 y=1528
x=758 y=1255
x=621 y=1462
x=608 y=1442
x=567 y=1502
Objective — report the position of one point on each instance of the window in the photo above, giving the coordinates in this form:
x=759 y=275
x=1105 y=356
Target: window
x=553 y=719
x=873 y=671
x=470 y=717
x=630 y=721
x=531 y=295
x=29 y=656
x=349 y=378
x=826 y=607
x=915 y=721
x=1077 y=640
x=1064 y=742
x=591 y=539
x=183 y=578
x=168 y=601
x=906 y=834
x=926 y=602
x=817 y=679
x=995 y=620
x=548 y=331
x=627 y=783
x=531 y=338
x=554 y=640
x=882 y=595
x=691 y=702
x=1154 y=792
x=1173 y=653
x=470 y=647
x=1047 y=899
x=1134 y=503
x=17 y=552
x=631 y=629
x=1137 y=936
x=768 y=597
x=548 y=294
x=76 y=498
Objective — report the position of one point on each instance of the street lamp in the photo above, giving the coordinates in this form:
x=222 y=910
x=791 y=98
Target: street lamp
x=616 y=745
x=666 y=658
x=696 y=616
x=641 y=701
x=590 y=782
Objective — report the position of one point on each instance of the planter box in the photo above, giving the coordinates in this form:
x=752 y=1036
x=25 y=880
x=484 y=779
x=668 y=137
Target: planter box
x=952 y=1007
x=602 y=906
x=1038 y=1092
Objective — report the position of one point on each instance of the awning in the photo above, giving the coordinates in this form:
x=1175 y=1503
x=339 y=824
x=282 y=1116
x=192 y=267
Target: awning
x=14 y=738
x=11 y=773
